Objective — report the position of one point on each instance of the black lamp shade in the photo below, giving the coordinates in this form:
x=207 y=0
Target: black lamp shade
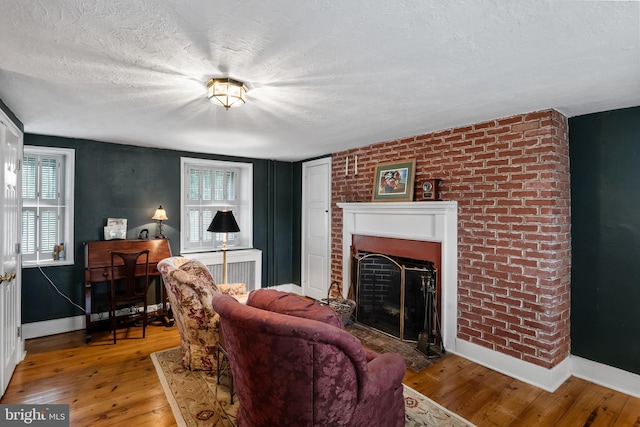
x=223 y=222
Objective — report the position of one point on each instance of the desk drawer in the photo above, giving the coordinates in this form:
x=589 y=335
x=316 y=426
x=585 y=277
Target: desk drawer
x=100 y=274
x=103 y=274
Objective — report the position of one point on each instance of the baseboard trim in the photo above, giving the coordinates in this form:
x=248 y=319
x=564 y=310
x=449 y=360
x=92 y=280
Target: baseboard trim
x=546 y=379
x=606 y=376
x=289 y=287
x=69 y=324
x=53 y=327
x=550 y=379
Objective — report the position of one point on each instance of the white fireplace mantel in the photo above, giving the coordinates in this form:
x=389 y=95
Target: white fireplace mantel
x=422 y=221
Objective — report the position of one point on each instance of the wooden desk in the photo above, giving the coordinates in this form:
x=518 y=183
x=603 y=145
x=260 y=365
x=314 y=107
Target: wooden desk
x=97 y=264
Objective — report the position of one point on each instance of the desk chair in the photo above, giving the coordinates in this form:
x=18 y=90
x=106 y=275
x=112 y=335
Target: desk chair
x=134 y=291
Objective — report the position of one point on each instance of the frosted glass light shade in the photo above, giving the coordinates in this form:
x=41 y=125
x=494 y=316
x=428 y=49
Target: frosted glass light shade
x=228 y=92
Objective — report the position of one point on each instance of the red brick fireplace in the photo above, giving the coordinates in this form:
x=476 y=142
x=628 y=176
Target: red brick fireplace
x=510 y=179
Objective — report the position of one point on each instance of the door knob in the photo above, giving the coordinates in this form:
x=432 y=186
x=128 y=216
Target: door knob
x=8 y=277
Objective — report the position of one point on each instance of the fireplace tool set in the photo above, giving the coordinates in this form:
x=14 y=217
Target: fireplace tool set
x=431 y=331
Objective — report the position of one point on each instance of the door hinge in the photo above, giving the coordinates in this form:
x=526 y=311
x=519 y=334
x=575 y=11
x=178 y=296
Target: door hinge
x=19 y=331
x=18 y=248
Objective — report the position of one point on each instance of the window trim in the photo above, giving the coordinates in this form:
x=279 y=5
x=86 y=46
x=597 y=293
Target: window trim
x=245 y=201
x=69 y=156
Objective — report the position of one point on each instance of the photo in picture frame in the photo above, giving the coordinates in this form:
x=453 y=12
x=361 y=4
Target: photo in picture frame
x=116 y=229
x=393 y=181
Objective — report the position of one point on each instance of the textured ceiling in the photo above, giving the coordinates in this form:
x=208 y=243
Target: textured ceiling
x=323 y=76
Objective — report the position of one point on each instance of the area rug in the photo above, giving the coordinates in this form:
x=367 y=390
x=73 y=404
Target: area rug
x=197 y=400
x=383 y=343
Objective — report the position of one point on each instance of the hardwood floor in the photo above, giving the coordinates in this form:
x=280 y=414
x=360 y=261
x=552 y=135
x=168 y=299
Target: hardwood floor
x=116 y=385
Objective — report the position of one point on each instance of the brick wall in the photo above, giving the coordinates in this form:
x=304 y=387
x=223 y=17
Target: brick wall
x=510 y=177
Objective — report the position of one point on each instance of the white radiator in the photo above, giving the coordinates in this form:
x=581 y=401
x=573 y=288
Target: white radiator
x=243 y=266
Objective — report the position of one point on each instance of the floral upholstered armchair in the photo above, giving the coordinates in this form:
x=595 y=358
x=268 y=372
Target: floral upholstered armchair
x=190 y=289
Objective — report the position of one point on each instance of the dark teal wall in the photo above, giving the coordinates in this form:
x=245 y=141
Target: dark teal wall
x=281 y=215
x=605 y=234
x=122 y=181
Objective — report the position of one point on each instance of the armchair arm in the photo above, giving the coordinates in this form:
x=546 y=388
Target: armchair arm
x=370 y=354
x=232 y=288
x=384 y=372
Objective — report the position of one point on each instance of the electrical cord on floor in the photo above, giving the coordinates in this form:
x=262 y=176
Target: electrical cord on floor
x=58 y=290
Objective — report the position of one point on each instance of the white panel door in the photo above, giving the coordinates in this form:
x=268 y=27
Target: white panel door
x=316 y=230
x=11 y=343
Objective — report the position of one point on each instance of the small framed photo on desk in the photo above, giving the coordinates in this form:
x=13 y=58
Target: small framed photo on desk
x=116 y=229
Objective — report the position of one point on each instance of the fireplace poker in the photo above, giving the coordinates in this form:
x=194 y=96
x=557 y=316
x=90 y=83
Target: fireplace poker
x=430 y=310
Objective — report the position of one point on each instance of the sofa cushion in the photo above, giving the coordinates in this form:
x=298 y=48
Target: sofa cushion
x=293 y=305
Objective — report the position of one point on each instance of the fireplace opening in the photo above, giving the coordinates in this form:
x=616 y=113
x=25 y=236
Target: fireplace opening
x=394 y=295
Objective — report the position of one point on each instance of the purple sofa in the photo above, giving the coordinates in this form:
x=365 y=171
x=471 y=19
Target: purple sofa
x=293 y=364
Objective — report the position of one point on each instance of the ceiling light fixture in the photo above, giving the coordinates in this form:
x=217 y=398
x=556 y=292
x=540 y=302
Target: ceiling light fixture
x=228 y=92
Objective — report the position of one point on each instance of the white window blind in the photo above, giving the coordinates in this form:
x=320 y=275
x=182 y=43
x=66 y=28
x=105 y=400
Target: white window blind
x=47 y=204
x=209 y=186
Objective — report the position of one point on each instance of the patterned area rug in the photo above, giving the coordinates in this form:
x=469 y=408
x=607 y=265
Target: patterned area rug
x=383 y=343
x=197 y=400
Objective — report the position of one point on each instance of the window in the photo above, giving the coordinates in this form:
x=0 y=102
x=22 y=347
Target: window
x=47 y=204
x=209 y=186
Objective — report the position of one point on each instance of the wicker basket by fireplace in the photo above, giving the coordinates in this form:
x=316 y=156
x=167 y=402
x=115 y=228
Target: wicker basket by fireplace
x=342 y=306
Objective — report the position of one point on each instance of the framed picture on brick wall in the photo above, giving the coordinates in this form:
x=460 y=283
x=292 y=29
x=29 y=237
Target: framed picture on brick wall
x=393 y=181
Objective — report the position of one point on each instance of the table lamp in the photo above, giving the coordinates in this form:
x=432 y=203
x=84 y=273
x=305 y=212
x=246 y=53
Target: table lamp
x=224 y=223
x=160 y=215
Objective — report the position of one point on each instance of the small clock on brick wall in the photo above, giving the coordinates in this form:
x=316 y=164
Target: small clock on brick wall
x=431 y=189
